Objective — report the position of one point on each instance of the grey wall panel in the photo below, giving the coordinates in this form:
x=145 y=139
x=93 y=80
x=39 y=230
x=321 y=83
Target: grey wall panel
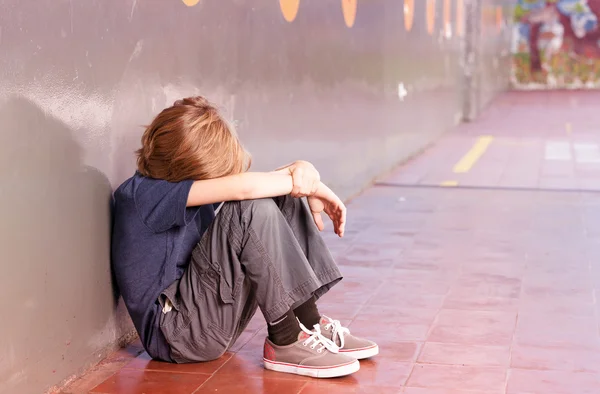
x=486 y=56
x=79 y=78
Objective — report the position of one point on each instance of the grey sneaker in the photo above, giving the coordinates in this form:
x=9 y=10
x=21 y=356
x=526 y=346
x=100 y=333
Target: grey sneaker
x=312 y=355
x=350 y=345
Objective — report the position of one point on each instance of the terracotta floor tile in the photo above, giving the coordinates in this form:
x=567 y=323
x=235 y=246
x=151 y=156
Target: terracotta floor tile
x=370 y=253
x=458 y=377
x=144 y=362
x=550 y=331
x=244 y=364
x=411 y=300
x=423 y=276
x=399 y=287
x=428 y=390
x=462 y=354
x=574 y=291
x=418 y=264
x=357 y=273
x=393 y=348
x=373 y=263
x=134 y=381
x=339 y=310
x=508 y=267
x=553 y=358
x=481 y=303
x=379 y=371
x=250 y=385
x=521 y=381
x=383 y=314
x=355 y=289
x=486 y=285
x=331 y=387
x=404 y=332
x=556 y=306
x=473 y=327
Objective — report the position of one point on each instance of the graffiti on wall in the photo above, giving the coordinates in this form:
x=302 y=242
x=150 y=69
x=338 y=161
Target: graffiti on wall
x=290 y=9
x=556 y=43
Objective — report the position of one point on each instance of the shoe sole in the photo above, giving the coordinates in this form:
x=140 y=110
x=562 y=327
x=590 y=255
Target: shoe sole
x=315 y=372
x=363 y=353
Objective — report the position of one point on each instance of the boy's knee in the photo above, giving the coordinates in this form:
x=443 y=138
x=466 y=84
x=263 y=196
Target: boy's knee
x=263 y=207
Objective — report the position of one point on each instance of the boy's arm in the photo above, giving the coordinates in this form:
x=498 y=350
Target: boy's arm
x=245 y=186
x=300 y=179
x=253 y=185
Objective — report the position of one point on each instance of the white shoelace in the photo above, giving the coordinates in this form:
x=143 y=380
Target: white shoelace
x=337 y=330
x=316 y=339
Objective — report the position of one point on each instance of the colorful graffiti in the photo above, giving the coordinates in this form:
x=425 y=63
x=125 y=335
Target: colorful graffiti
x=556 y=43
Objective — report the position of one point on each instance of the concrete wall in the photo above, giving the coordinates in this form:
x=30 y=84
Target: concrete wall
x=355 y=88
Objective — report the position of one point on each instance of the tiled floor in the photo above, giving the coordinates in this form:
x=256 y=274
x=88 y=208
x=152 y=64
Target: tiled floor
x=466 y=290
x=537 y=140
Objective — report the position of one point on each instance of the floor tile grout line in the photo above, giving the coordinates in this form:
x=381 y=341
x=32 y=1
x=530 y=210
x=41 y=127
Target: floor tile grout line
x=589 y=264
x=303 y=387
x=222 y=365
x=474 y=187
x=111 y=375
x=412 y=370
x=435 y=319
x=163 y=371
x=579 y=372
x=514 y=336
x=420 y=351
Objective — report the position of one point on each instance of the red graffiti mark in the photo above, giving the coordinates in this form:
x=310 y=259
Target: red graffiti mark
x=586 y=46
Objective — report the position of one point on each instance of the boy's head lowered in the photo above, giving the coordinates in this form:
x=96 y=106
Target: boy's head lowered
x=191 y=140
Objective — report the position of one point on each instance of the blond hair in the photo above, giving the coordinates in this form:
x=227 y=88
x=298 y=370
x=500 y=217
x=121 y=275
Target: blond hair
x=191 y=140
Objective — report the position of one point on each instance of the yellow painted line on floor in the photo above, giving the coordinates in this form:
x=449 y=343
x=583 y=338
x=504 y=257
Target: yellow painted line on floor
x=449 y=184
x=471 y=157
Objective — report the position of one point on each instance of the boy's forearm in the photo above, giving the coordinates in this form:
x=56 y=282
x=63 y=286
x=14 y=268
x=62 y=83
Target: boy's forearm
x=265 y=184
x=245 y=186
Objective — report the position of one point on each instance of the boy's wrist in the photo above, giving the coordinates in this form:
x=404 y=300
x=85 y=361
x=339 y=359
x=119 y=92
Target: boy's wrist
x=322 y=191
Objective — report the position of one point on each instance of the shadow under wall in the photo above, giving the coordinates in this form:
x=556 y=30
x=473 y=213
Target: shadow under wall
x=55 y=242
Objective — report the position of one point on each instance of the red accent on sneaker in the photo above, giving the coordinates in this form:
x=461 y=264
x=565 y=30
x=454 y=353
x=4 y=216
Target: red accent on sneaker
x=303 y=336
x=269 y=352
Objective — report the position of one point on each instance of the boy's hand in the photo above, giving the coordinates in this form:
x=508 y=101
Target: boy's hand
x=326 y=201
x=305 y=177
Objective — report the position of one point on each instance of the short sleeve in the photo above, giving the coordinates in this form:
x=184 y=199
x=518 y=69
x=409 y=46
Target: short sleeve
x=162 y=204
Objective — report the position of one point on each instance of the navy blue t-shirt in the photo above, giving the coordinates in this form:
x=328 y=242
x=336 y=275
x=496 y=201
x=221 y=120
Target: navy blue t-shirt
x=152 y=241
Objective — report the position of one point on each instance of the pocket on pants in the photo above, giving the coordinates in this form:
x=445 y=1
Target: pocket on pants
x=173 y=322
x=183 y=332
x=212 y=277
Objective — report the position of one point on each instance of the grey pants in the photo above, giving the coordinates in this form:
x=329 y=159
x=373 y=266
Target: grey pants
x=264 y=253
